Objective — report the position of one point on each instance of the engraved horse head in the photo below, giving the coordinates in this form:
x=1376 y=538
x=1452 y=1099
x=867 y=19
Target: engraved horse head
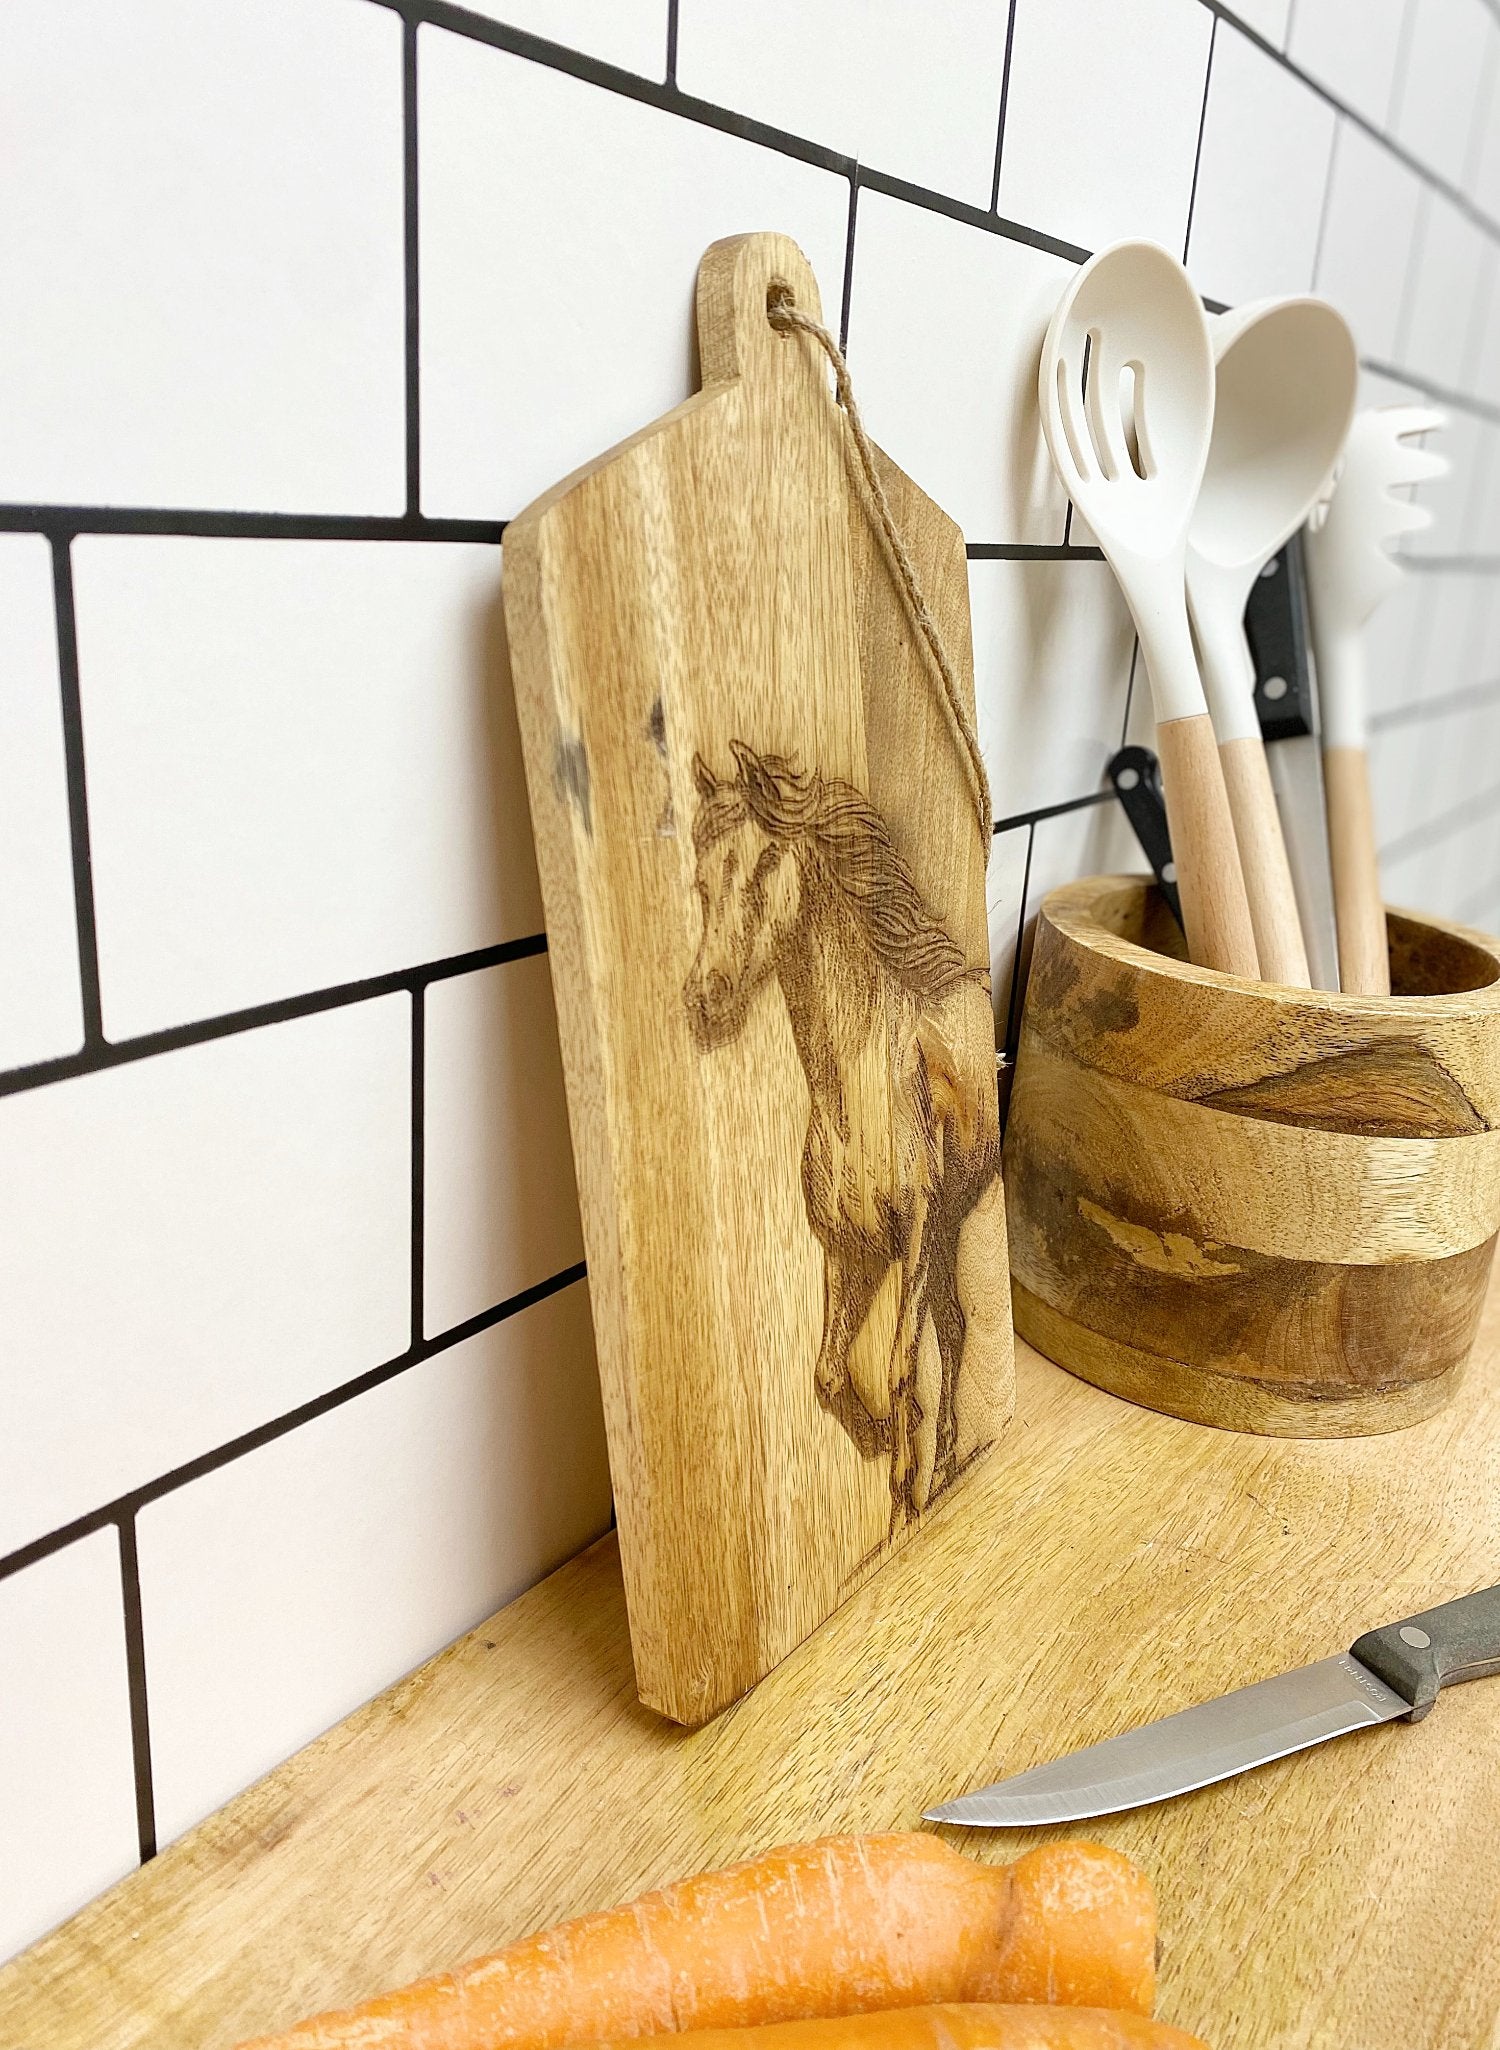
x=748 y=882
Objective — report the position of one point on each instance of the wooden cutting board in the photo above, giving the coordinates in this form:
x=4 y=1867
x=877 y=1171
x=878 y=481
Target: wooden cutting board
x=764 y=885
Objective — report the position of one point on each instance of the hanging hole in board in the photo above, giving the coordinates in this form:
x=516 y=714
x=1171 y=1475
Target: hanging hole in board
x=779 y=296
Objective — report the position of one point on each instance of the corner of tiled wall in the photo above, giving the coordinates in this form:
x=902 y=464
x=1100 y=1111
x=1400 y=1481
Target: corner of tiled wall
x=303 y=299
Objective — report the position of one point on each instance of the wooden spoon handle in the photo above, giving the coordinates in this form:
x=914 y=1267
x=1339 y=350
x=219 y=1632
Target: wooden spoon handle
x=1268 y=875
x=1364 y=953
x=1210 y=881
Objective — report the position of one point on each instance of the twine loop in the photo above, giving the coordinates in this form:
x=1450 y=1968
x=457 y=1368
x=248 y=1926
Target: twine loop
x=784 y=314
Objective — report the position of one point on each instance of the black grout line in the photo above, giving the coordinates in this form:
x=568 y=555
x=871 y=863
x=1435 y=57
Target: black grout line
x=1013 y=1007
x=1413 y=272
x=973 y=216
x=1399 y=68
x=1327 y=207
x=1470 y=812
x=667 y=97
x=410 y=269
x=1135 y=655
x=671 y=76
x=77 y=787
x=418 y=1159
x=1483 y=409
x=128 y=1504
x=63 y=522
x=1416 y=710
x=1010 y=38
x=1054 y=811
x=1384 y=136
x=1208 y=74
x=1030 y=551
x=846 y=300
x=135 y=1676
x=120 y=1052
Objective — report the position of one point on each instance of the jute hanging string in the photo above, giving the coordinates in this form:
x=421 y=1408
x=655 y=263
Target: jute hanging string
x=787 y=317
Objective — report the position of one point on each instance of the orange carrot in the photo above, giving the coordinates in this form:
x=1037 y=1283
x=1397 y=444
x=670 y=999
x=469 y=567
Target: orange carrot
x=976 y=2026
x=843 y=1926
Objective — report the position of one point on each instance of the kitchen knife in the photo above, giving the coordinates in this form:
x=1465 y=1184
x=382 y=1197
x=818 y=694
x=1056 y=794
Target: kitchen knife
x=1388 y=1674
x=1277 y=630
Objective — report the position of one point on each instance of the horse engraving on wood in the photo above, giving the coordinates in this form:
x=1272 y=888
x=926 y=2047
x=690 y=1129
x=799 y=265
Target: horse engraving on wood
x=799 y=883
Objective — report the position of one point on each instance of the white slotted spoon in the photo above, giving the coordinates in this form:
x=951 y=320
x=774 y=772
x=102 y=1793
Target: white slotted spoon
x=1349 y=572
x=1287 y=373
x=1127 y=398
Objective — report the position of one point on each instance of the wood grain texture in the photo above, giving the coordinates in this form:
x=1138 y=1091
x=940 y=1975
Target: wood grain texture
x=1296 y=1239
x=1364 y=966
x=1210 y=880
x=1129 y=1565
x=765 y=905
x=1279 y=946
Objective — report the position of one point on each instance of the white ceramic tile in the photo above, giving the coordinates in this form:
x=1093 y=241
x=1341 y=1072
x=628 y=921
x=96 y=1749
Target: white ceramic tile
x=1449 y=295
x=1365 y=252
x=1482 y=526
x=67 y=1781
x=1052 y=645
x=1261 y=176
x=40 y=1007
x=1449 y=654
x=1267 y=17
x=557 y=304
x=945 y=334
x=303 y=767
x=1395 y=644
x=1482 y=178
x=193 y=1244
x=289 y=1586
x=1484 y=366
x=1081 y=71
x=499 y=1201
x=201 y=241
x=1005 y=885
x=1443 y=67
x=1094 y=840
x=907 y=87
x=1352 y=47
x=630 y=33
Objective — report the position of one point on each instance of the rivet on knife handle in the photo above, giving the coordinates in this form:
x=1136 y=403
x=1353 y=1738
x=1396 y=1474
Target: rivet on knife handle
x=1136 y=775
x=1440 y=1647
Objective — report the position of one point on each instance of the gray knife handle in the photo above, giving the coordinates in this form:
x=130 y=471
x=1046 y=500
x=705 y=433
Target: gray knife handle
x=1459 y=1641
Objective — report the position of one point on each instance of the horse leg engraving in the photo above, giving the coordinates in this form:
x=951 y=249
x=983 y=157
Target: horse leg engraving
x=849 y=1288
x=906 y=1415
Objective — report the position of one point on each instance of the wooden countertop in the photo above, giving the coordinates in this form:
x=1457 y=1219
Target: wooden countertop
x=1109 y=1565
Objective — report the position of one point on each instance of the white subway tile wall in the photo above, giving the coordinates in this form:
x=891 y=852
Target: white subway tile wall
x=303 y=299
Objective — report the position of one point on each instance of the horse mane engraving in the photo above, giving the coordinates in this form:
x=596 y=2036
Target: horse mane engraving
x=800 y=884
x=848 y=837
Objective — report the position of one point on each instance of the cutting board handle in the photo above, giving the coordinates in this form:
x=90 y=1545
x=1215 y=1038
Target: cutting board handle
x=735 y=339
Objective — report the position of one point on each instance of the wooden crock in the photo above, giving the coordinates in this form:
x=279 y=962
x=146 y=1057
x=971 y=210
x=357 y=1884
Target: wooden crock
x=1264 y=1208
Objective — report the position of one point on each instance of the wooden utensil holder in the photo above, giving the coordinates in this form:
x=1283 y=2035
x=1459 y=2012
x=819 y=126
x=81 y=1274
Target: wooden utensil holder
x=1265 y=1208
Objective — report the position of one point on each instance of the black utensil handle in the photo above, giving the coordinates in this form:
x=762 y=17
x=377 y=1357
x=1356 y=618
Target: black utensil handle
x=1459 y=1641
x=1136 y=774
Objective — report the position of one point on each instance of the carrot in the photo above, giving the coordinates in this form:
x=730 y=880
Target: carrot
x=838 y=1927
x=975 y=2026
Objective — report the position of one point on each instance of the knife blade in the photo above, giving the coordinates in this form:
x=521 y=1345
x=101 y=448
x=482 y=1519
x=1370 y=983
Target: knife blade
x=1388 y=1674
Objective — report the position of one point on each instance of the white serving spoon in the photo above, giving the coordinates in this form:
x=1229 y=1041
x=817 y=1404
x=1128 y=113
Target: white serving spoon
x=1127 y=398
x=1287 y=373
x=1349 y=572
